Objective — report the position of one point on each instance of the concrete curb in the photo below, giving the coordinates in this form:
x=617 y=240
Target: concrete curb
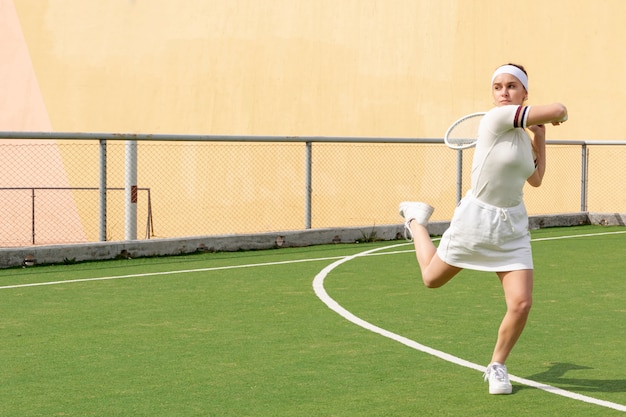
x=59 y=254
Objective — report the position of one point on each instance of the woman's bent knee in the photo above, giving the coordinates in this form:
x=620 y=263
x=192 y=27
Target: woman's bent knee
x=430 y=282
x=438 y=273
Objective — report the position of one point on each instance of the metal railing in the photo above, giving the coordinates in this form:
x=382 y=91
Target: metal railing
x=312 y=167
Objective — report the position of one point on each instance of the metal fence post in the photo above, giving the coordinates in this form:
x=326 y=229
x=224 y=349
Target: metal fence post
x=103 y=191
x=308 y=186
x=584 y=179
x=459 y=175
x=32 y=199
x=131 y=190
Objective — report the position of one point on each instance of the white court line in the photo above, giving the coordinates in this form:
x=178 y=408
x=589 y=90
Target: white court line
x=152 y=274
x=577 y=236
x=320 y=291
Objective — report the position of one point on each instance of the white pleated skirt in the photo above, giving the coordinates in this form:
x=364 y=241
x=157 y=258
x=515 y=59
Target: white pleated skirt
x=487 y=238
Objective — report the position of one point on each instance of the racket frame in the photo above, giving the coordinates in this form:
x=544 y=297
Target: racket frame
x=455 y=124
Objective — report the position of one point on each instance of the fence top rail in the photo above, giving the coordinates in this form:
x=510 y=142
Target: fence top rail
x=244 y=138
x=204 y=138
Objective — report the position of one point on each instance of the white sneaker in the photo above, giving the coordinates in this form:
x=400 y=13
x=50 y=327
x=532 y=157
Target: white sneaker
x=498 y=378
x=420 y=212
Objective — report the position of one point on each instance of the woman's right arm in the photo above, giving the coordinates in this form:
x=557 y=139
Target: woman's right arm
x=555 y=113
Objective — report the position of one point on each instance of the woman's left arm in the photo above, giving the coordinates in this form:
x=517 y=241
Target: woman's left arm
x=555 y=113
x=539 y=148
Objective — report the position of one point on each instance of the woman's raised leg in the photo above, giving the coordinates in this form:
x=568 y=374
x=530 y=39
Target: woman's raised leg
x=435 y=272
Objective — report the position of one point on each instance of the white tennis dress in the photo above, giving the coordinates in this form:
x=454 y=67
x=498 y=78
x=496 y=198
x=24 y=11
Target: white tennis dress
x=489 y=228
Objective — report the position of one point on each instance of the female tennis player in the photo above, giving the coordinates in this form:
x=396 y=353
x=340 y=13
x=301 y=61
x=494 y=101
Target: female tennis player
x=489 y=228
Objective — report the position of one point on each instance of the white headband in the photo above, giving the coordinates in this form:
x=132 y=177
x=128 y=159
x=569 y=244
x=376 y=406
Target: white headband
x=513 y=70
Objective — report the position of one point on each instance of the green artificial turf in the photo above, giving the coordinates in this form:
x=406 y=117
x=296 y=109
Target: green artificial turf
x=243 y=334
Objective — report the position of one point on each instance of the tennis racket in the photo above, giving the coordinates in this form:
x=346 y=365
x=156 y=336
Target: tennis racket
x=464 y=132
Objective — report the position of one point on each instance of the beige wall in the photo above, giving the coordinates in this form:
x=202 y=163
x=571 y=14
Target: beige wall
x=298 y=67
x=347 y=67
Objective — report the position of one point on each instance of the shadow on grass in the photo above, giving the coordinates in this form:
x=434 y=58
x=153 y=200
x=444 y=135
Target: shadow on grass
x=555 y=376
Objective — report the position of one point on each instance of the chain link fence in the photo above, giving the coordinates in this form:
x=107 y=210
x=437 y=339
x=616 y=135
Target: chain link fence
x=66 y=191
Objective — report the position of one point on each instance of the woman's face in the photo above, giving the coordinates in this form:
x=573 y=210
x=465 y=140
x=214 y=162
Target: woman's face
x=507 y=89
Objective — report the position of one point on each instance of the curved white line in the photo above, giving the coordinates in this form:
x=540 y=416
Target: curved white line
x=320 y=291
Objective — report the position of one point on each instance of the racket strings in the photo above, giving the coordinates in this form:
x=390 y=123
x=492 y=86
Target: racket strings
x=464 y=132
